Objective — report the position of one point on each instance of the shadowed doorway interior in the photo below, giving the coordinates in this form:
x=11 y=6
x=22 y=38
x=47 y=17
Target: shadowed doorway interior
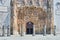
x=29 y=28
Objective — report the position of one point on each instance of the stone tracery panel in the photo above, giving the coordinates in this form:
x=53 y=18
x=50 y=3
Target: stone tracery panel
x=36 y=18
x=26 y=14
x=29 y=11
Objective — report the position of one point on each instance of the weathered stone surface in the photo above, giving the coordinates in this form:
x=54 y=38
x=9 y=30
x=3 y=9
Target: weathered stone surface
x=36 y=14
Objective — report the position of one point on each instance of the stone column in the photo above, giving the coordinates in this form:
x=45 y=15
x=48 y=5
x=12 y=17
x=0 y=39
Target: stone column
x=8 y=30
x=44 y=30
x=15 y=26
x=22 y=30
x=33 y=30
x=3 y=30
x=54 y=30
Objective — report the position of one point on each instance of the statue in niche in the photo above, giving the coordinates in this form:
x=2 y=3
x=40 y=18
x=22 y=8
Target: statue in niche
x=29 y=2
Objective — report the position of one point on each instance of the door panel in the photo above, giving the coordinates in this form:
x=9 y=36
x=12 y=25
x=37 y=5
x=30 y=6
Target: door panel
x=29 y=28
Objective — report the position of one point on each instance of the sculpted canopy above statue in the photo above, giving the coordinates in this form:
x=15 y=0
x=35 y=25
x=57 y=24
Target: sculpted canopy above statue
x=36 y=3
x=29 y=2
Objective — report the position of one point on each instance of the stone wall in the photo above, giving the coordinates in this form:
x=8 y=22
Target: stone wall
x=25 y=13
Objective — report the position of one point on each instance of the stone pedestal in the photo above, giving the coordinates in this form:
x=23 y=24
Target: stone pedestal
x=5 y=32
x=15 y=32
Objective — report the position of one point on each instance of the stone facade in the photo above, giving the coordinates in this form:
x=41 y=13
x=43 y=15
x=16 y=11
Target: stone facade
x=4 y=17
x=30 y=16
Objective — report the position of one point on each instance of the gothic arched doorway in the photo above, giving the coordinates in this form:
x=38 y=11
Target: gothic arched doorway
x=29 y=27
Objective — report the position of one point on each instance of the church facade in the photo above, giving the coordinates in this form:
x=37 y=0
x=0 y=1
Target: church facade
x=31 y=16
